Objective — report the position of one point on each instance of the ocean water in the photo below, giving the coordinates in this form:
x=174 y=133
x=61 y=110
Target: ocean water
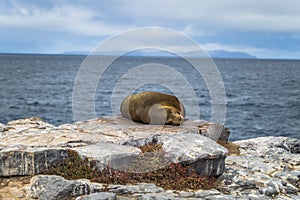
x=262 y=96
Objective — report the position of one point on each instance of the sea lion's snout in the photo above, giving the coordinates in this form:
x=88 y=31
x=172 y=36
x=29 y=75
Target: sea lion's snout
x=175 y=118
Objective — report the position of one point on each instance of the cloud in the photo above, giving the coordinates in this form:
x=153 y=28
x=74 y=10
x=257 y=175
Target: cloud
x=261 y=52
x=62 y=18
x=192 y=17
x=256 y=27
x=162 y=39
x=275 y=15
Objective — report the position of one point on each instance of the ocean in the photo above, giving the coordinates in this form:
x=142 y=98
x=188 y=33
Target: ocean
x=262 y=96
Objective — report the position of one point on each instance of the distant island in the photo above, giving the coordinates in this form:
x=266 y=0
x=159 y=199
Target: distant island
x=229 y=54
x=213 y=54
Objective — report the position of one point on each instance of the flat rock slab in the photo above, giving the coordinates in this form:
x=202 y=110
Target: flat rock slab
x=28 y=146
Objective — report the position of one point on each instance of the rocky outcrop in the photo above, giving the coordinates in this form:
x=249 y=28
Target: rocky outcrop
x=29 y=146
x=268 y=166
x=262 y=168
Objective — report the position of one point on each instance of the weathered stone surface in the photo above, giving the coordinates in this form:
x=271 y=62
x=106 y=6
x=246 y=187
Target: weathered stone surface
x=19 y=160
x=267 y=166
x=28 y=146
x=132 y=189
x=56 y=187
x=204 y=155
x=214 y=131
x=98 y=196
x=109 y=154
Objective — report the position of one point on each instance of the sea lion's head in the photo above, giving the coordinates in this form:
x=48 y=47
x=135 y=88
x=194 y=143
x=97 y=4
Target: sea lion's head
x=174 y=117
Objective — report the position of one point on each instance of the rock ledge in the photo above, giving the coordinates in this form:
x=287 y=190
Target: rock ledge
x=265 y=168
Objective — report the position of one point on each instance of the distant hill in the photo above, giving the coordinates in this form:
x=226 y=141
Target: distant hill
x=229 y=54
x=213 y=54
x=76 y=53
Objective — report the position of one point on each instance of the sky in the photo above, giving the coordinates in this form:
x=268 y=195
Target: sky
x=265 y=29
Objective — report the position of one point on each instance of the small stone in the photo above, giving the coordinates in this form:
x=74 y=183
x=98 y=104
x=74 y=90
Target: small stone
x=126 y=189
x=221 y=197
x=246 y=184
x=125 y=198
x=184 y=194
x=56 y=187
x=253 y=197
x=160 y=196
x=296 y=147
x=292 y=178
x=98 y=196
x=270 y=191
x=149 y=188
x=214 y=131
x=206 y=193
x=290 y=189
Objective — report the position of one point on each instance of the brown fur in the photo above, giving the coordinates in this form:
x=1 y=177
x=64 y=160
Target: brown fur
x=153 y=108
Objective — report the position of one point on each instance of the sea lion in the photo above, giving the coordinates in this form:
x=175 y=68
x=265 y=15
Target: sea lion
x=153 y=108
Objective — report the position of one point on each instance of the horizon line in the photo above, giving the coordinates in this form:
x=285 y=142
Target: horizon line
x=158 y=56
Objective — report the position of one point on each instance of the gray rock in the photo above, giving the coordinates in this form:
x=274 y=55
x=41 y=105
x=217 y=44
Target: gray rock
x=290 y=189
x=98 y=196
x=214 y=131
x=126 y=189
x=253 y=197
x=56 y=187
x=20 y=160
x=149 y=188
x=184 y=194
x=267 y=167
x=138 y=188
x=107 y=141
x=246 y=184
x=295 y=147
x=126 y=198
x=106 y=154
x=160 y=196
x=206 y=193
x=221 y=197
x=203 y=154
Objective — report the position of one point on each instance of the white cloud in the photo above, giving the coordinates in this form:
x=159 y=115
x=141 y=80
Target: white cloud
x=62 y=23
x=191 y=16
x=259 y=52
x=144 y=38
x=63 y=18
x=275 y=15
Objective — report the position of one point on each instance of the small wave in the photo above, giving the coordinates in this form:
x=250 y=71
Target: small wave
x=14 y=107
x=39 y=103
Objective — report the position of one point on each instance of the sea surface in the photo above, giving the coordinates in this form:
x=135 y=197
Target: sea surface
x=262 y=96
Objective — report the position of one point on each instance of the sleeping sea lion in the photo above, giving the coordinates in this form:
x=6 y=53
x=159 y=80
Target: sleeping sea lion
x=153 y=108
